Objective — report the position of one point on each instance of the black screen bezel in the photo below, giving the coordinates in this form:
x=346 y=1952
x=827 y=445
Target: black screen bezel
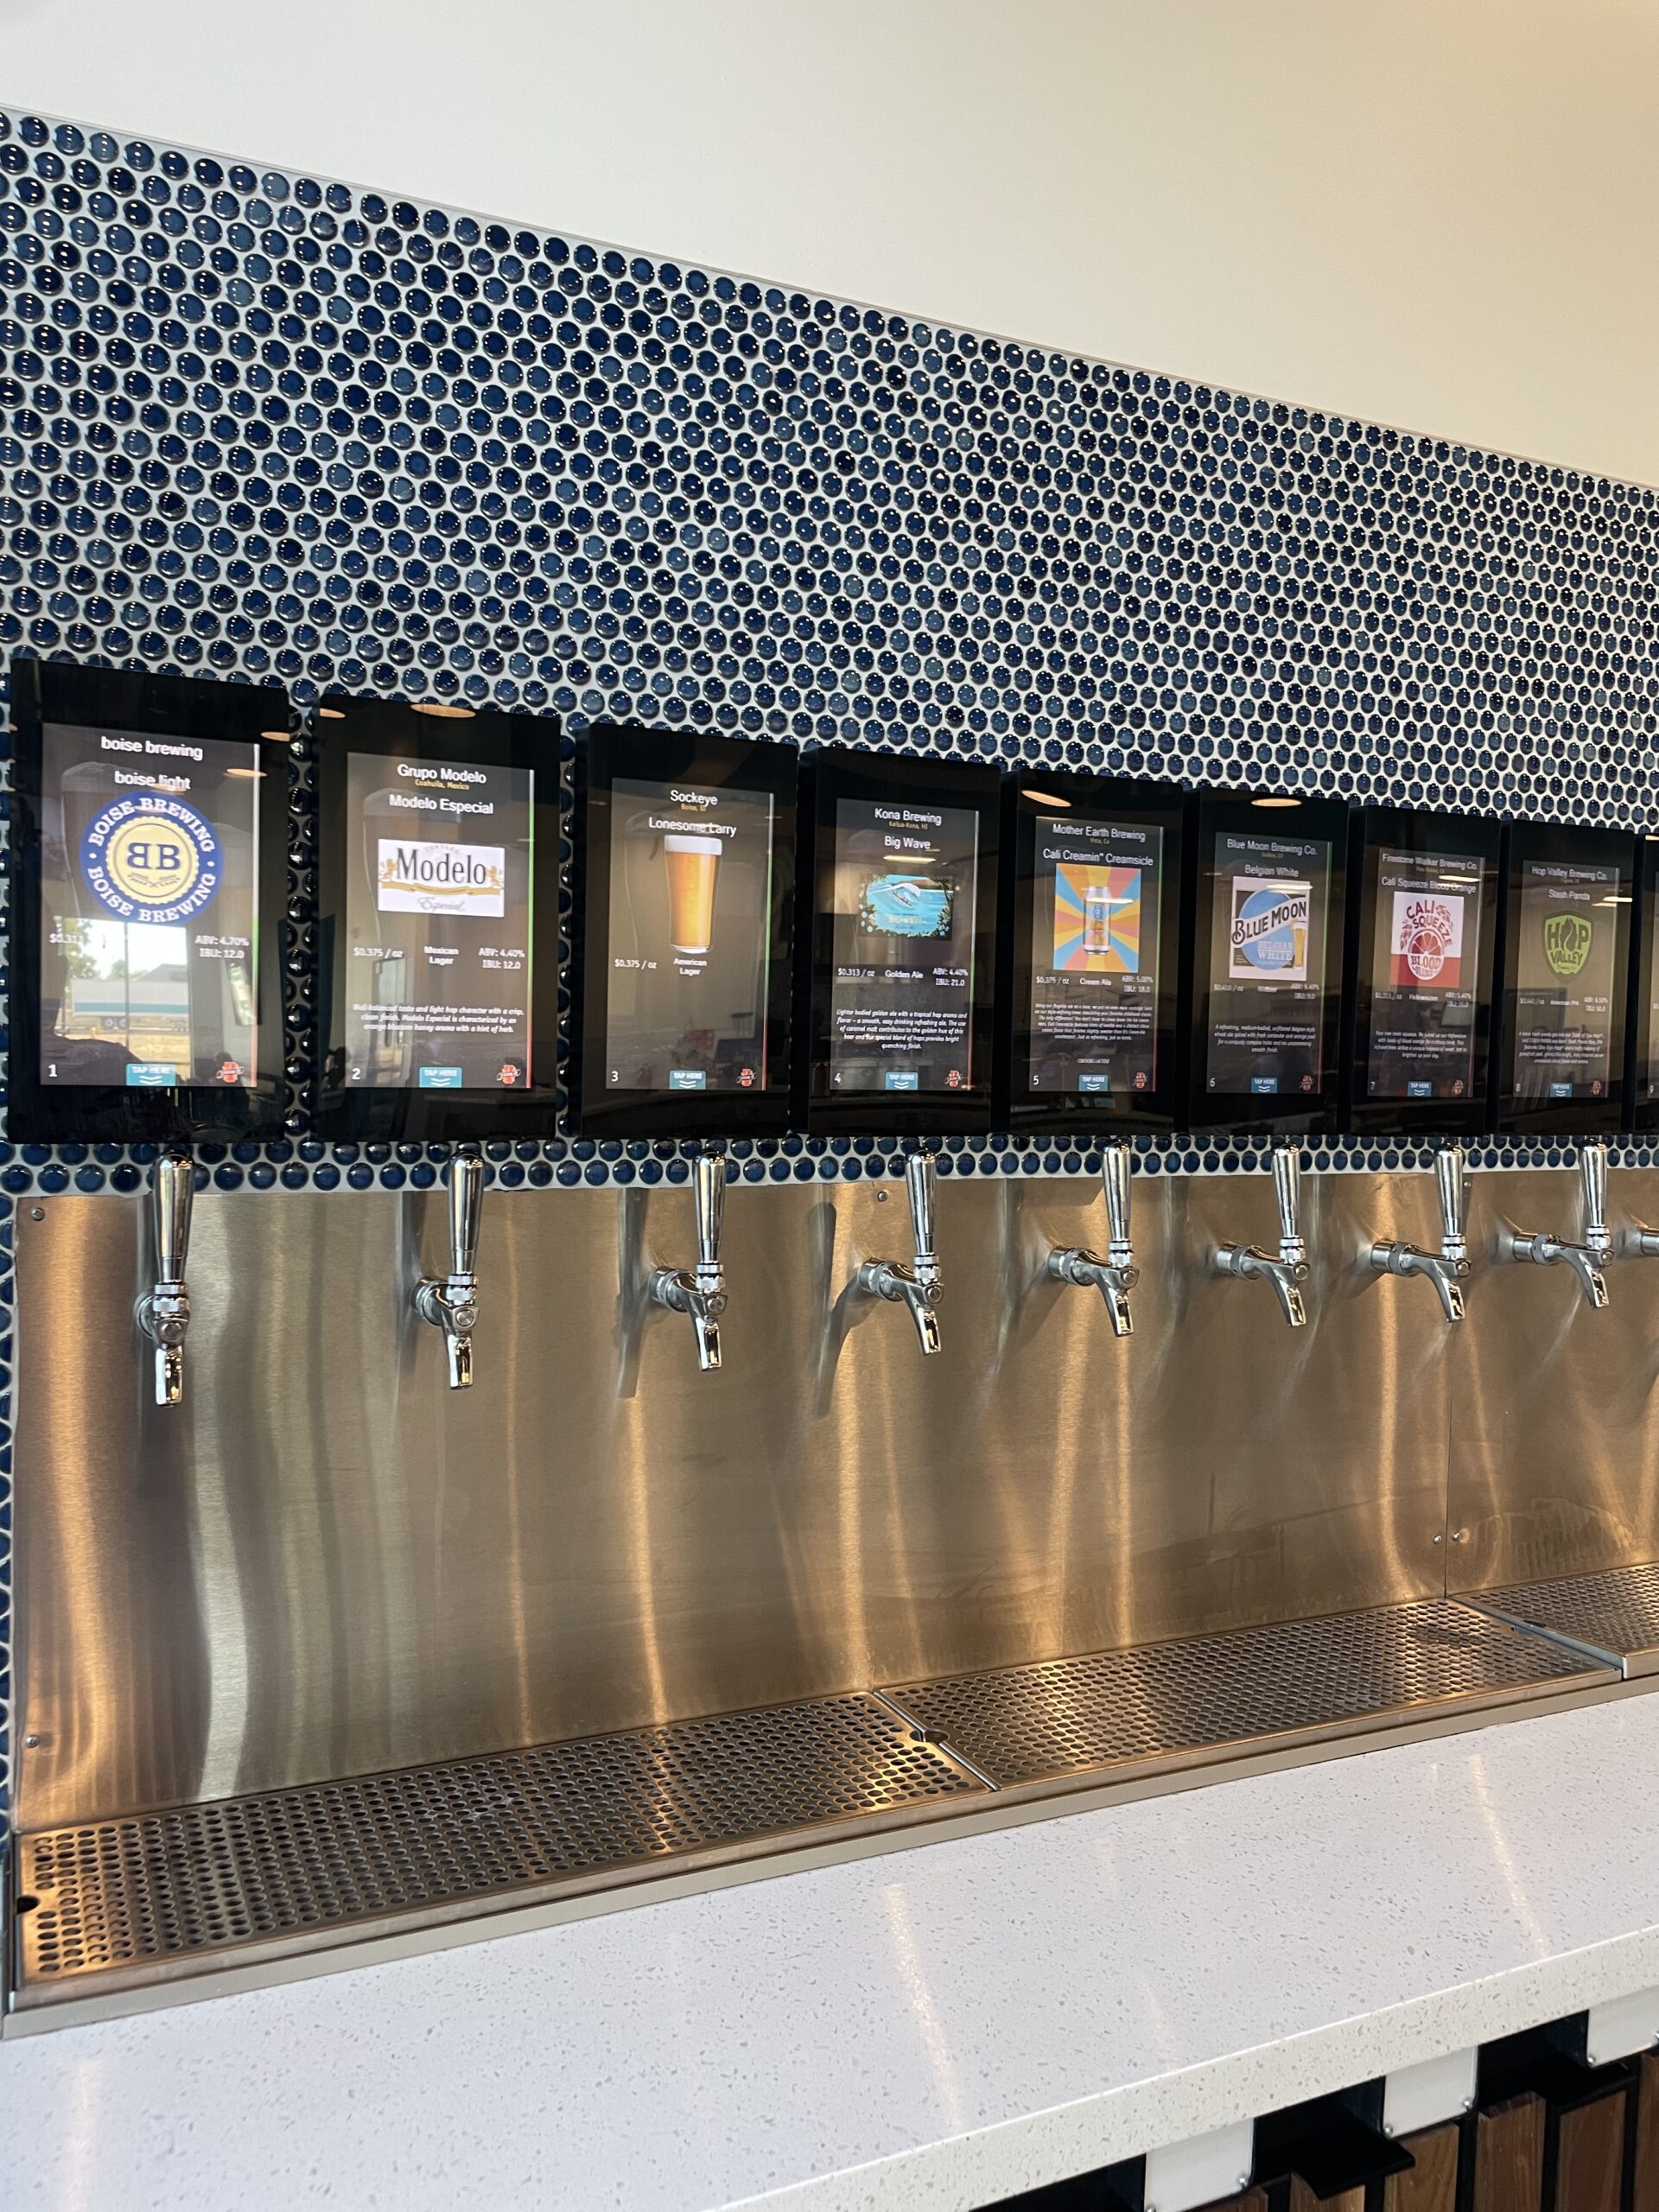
x=1643 y=1038
x=1590 y=848
x=604 y=752
x=1162 y=806
x=1399 y=828
x=1213 y=813
x=160 y=706
x=828 y=776
x=389 y=726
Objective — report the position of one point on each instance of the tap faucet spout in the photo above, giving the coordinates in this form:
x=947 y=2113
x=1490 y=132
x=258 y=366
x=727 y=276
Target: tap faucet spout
x=1114 y=1276
x=449 y=1302
x=700 y=1291
x=920 y=1285
x=1587 y=1259
x=1286 y=1271
x=1448 y=1268
x=164 y=1312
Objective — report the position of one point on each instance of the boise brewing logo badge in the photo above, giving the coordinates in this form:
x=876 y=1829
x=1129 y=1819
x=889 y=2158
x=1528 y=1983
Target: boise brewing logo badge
x=150 y=858
x=1567 y=941
x=1270 y=932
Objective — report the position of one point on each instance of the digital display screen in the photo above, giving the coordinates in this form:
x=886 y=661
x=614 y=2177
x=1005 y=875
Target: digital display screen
x=1568 y=925
x=690 y=946
x=902 y=908
x=1424 y=955
x=438 y=923
x=1649 y=1075
x=1097 y=890
x=1266 y=964
x=149 y=910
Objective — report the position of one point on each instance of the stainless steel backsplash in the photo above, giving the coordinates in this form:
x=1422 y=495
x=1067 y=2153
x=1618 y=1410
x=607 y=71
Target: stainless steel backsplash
x=326 y=1562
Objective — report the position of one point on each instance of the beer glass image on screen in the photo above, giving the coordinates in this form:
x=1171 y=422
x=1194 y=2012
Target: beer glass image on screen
x=1563 y=1044
x=901 y=997
x=148 y=941
x=690 y=936
x=439 y=924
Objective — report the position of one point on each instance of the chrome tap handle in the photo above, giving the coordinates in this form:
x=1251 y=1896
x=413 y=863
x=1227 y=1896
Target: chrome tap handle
x=164 y=1312
x=1592 y=1177
x=1287 y=1188
x=174 y=1195
x=708 y=1191
x=450 y=1302
x=1452 y=1177
x=1114 y=1176
x=466 y=1207
x=921 y=1184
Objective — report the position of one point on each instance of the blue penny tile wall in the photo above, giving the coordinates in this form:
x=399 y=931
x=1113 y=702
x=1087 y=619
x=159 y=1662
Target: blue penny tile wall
x=268 y=426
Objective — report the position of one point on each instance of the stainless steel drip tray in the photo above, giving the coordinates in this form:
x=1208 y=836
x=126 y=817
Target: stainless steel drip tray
x=1236 y=1693
x=131 y=1903
x=1612 y=1616
x=122 y=1911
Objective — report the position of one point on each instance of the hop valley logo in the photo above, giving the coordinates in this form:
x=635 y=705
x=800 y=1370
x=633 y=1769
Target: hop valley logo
x=150 y=858
x=1568 y=939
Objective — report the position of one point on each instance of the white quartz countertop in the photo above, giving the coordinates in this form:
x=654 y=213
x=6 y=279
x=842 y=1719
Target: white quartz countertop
x=939 y=2027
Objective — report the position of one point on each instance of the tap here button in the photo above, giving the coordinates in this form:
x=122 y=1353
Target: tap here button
x=441 y=1078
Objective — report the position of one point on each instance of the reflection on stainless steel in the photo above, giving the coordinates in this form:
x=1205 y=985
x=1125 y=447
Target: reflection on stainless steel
x=162 y=1312
x=918 y=1286
x=450 y=1301
x=1554 y=1454
x=700 y=1291
x=1446 y=1268
x=326 y=1563
x=1114 y=1276
x=1288 y=1271
x=1586 y=1260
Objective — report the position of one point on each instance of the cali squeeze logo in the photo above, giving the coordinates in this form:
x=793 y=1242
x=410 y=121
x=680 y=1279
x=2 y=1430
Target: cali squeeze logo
x=1427 y=944
x=150 y=858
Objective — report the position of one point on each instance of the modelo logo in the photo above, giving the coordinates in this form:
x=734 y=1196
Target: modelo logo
x=1567 y=941
x=417 y=878
x=151 y=858
x=1270 y=930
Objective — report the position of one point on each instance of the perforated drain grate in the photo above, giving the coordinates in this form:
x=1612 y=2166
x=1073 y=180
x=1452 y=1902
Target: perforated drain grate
x=123 y=1893
x=1031 y=1724
x=1616 y=1611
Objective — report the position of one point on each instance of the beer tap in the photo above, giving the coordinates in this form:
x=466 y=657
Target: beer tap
x=1448 y=1268
x=164 y=1312
x=700 y=1291
x=1114 y=1276
x=918 y=1286
x=1288 y=1271
x=450 y=1302
x=1588 y=1259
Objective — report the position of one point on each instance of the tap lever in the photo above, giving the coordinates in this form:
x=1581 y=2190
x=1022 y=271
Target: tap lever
x=1288 y=1189
x=700 y=1291
x=1451 y=1176
x=919 y=1287
x=1288 y=1271
x=163 y=1311
x=1593 y=1178
x=1114 y=1276
x=450 y=1302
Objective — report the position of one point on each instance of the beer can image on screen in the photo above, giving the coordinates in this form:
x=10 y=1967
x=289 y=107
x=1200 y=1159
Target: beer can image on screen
x=1268 y=940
